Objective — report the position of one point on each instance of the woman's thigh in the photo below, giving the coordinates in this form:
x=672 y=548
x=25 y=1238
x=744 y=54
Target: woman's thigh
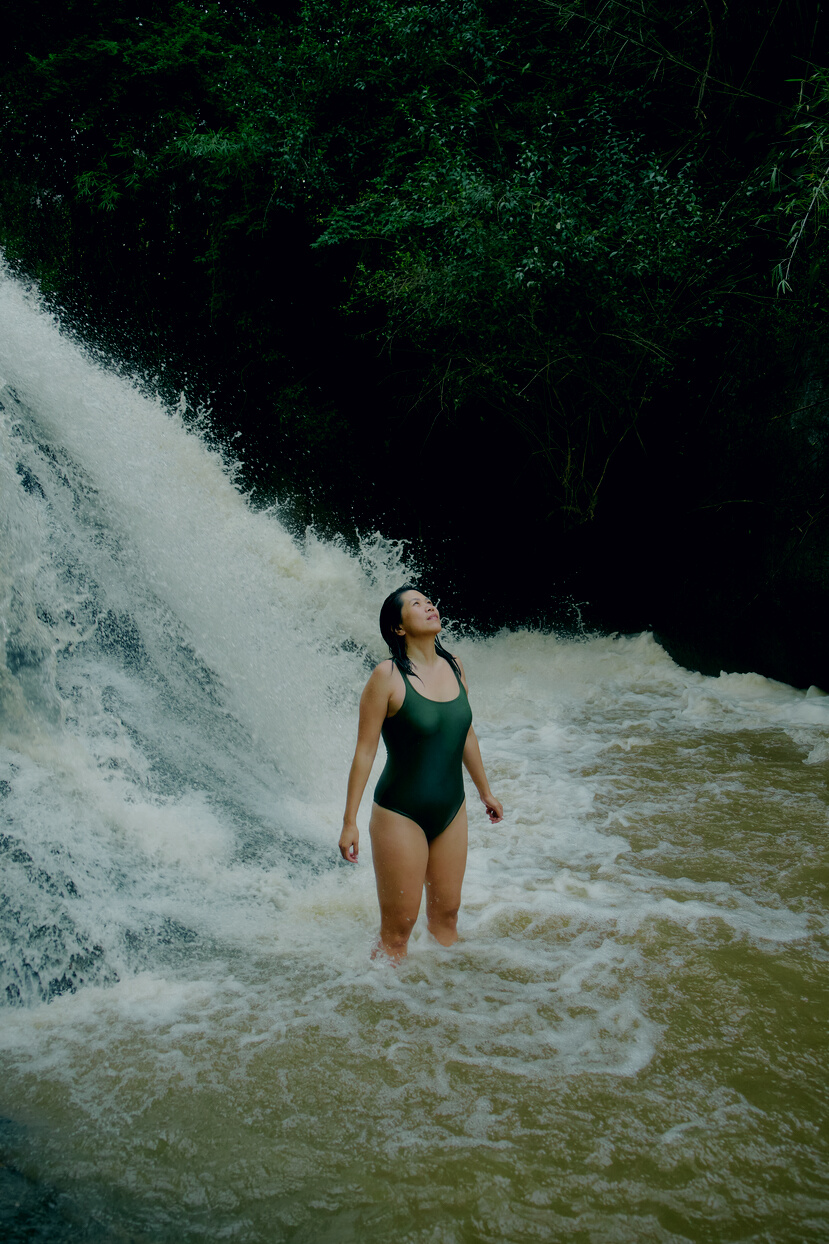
x=447 y=863
x=400 y=854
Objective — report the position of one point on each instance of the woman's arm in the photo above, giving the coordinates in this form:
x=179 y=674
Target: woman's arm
x=374 y=704
x=475 y=768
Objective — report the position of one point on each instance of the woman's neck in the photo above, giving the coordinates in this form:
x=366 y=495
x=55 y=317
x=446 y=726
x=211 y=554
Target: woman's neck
x=422 y=652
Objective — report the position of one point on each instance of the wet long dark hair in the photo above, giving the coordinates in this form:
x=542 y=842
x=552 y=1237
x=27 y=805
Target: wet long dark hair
x=390 y=615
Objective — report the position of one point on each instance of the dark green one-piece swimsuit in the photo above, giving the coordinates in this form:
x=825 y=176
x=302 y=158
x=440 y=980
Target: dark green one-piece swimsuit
x=423 y=778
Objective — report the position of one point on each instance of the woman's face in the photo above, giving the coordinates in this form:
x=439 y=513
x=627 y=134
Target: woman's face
x=418 y=615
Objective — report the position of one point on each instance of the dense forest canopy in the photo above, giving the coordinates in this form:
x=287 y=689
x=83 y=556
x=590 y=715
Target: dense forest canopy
x=562 y=264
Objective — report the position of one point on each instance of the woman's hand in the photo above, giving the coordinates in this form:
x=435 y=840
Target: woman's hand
x=350 y=843
x=494 y=808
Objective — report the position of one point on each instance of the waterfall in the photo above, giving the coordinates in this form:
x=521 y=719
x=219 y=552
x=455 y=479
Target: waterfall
x=195 y=1042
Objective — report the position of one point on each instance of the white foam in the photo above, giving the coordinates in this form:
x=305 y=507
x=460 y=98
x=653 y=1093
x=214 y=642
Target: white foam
x=179 y=686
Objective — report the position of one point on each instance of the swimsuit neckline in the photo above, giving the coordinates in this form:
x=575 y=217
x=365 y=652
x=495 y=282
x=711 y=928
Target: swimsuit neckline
x=428 y=698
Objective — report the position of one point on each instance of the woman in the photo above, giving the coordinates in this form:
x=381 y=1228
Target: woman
x=418 y=701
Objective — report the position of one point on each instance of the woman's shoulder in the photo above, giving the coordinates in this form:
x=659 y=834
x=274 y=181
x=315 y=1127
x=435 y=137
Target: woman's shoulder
x=385 y=683
x=459 y=664
x=380 y=688
x=383 y=674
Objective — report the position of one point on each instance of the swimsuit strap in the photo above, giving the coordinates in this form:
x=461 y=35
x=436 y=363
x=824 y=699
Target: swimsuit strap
x=426 y=697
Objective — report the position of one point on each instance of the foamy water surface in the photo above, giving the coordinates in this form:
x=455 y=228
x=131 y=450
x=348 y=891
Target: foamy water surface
x=629 y=1042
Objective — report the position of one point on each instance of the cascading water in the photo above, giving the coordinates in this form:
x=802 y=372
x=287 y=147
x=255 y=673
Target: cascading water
x=627 y=1044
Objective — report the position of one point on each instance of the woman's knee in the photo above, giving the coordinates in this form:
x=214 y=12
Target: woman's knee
x=396 y=928
x=444 y=910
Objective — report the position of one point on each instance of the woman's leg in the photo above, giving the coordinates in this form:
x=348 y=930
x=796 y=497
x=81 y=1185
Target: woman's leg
x=444 y=878
x=400 y=853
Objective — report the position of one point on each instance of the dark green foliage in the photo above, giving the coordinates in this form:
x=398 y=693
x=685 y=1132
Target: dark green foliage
x=583 y=240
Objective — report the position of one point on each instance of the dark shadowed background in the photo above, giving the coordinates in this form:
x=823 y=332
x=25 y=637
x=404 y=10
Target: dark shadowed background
x=540 y=288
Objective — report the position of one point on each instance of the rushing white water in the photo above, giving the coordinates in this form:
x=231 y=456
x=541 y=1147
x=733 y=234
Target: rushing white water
x=196 y=1044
